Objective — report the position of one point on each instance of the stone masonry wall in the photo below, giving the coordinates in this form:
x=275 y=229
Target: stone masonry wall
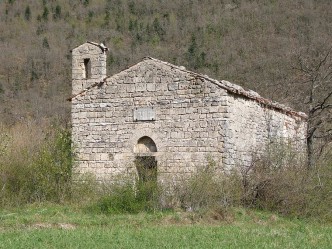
x=188 y=130
x=252 y=126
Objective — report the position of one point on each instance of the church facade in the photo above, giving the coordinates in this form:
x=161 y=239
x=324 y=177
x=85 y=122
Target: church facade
x=168 y=119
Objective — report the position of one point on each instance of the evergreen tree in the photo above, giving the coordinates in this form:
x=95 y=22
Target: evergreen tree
x=57 y=13
x=46 y=44
x=27 y=13
x=45 y=14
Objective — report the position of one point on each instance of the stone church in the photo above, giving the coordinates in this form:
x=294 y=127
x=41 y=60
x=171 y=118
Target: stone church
x=169 y=119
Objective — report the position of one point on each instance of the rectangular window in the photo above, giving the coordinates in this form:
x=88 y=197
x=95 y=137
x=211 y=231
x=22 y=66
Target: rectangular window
x=87 y=68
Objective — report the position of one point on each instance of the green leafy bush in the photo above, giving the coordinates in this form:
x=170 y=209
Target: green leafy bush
x=53 y=168
x=128 y=196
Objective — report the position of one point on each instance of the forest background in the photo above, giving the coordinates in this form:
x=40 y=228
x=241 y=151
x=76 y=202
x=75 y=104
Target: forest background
x=255 y=43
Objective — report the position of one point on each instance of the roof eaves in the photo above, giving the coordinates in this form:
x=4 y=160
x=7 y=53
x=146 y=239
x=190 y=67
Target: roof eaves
x=97 y=83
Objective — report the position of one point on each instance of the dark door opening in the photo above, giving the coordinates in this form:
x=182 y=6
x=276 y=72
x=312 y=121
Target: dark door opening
x=146 y=168
x=147 y=177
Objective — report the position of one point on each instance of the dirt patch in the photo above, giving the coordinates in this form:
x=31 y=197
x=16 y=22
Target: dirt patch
x=210 y=217
x=65 y=226
x=42 y=225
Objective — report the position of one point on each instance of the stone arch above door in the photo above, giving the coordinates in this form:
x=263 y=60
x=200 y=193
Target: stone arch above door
x=146 y=132
x=145 y=145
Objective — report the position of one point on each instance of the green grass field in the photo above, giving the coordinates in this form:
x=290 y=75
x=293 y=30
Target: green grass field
x=50 y=226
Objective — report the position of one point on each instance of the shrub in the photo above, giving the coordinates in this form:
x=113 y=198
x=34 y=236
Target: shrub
x=208 y=189
x=128 y=195
x=319 y=189
x=35 y=164
x=53 y=168
x=280 y=181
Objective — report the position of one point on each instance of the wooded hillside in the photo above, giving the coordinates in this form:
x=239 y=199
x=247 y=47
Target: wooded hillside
x=253 y=43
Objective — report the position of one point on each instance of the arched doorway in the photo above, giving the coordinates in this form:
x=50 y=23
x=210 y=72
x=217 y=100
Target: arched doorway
x=145 y=160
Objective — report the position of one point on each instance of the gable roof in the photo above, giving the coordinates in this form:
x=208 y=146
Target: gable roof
x=226 y=85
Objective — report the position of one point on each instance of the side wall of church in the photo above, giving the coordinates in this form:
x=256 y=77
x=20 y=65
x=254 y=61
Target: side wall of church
x=252 y=126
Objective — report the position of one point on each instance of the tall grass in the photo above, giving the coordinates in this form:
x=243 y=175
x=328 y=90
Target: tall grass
x=35 y=163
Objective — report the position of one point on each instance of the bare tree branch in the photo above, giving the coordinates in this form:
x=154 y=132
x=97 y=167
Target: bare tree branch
x=316 y=71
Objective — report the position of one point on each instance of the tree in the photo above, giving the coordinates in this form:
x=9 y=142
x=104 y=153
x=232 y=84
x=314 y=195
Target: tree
x=27 y=13
x=314 y=69
x=45 y=43
x=45 y=14
x=85 y=2
x=57 y=13
x=195 y=57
